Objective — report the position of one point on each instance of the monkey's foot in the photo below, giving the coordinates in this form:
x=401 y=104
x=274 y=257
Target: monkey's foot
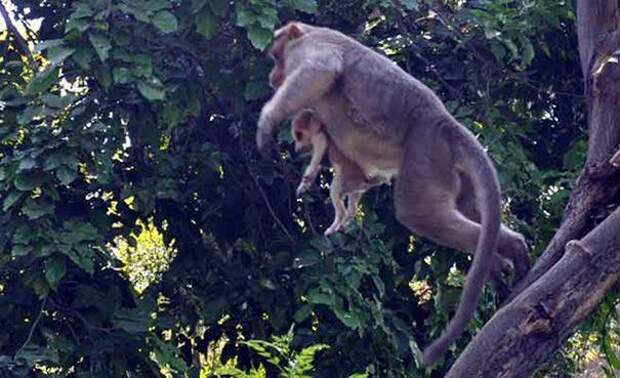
x=335 y=227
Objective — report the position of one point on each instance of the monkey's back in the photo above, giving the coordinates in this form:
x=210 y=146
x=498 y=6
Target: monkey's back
x=377 y=90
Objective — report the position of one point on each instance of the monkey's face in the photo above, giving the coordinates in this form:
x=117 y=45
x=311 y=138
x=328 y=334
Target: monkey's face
x=302 y=139
x=277 y=52
x=303 y=128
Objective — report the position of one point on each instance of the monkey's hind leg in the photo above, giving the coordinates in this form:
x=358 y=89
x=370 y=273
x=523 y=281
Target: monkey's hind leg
x=335 y=194
x=353 y=199
x=510 y=245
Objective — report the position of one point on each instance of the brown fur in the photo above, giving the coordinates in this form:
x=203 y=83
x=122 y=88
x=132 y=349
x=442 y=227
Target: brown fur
x=391 y=124
x=349 y=180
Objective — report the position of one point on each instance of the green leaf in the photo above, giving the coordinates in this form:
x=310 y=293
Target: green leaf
x=57 y=55
x=259 y=36
x=156 y=5
x=152 y=90
x=26 y=182
x=80 y=257
x=219 y=7
x=80 y=25
x=350 y=319
x=409 y=4
x=52 y=100
x=307 y=6
x=66 y=175
x=52 y=162
x=512 y=47
x=11 y=199
x=121 y=75
x=197 y=5
x=245 y=17
x=268 y=19
x=55 y=269
x=82 y=10
x=79 y=232
x=303 y=313
x=143 y=66
x=25 y=234
x=48 y=43
x=206 y=24
x=29 y=114
x=101 y=44
x=317 y=296
x=20 y=250
x=104 y=76
x=165 y=21
x=83 y=56
x=36 y=208
x=528 y=51
x=610 y=354
x=498 y=50
x=43 y=81
x=26 y=164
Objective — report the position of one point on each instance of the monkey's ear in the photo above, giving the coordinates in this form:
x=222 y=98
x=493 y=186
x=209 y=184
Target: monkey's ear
x=294 y=31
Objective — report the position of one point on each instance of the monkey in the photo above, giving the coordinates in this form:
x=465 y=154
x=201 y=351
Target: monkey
x=348 y=181
x=446 y=187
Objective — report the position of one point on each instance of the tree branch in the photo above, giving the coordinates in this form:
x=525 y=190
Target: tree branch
x=526 y=332
x=580 y=264
x=21 y=42
x=34 y=324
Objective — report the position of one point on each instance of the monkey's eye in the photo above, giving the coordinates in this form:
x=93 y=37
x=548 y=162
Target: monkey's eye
x=298 y=135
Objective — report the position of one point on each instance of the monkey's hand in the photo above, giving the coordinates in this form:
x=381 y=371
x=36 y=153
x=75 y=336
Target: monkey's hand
x=266 y=124
x=264 y=142
x=304 y=185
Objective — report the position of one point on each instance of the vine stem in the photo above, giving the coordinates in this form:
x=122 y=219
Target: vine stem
x=34 y=324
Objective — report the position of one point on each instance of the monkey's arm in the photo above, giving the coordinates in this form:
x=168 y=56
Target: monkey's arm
x=319 y=146
x=312 y=79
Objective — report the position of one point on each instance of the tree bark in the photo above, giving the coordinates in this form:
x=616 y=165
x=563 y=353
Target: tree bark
x=582 y=261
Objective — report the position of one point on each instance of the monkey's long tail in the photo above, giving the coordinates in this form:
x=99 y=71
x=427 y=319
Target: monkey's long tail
x=487 y=191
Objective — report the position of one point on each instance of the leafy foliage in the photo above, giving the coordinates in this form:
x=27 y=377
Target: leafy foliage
x=146 y=110
x=278 y=353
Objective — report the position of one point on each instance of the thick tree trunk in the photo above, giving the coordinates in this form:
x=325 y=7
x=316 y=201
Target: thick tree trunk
x=582 y=262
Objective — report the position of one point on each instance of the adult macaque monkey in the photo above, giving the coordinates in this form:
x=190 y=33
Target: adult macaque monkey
x=389 y=123
x=349 y=180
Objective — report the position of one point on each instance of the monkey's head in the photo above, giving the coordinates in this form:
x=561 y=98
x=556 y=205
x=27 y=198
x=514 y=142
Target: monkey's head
x=281 y=38
x=304 y=126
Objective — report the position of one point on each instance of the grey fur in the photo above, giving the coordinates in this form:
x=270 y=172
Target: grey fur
x=390 y=123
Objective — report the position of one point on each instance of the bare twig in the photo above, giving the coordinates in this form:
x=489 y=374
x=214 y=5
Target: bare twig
x=21 y=42
x=76 y=314
x=35 y=323
x=270 y=208
x=309 y=219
